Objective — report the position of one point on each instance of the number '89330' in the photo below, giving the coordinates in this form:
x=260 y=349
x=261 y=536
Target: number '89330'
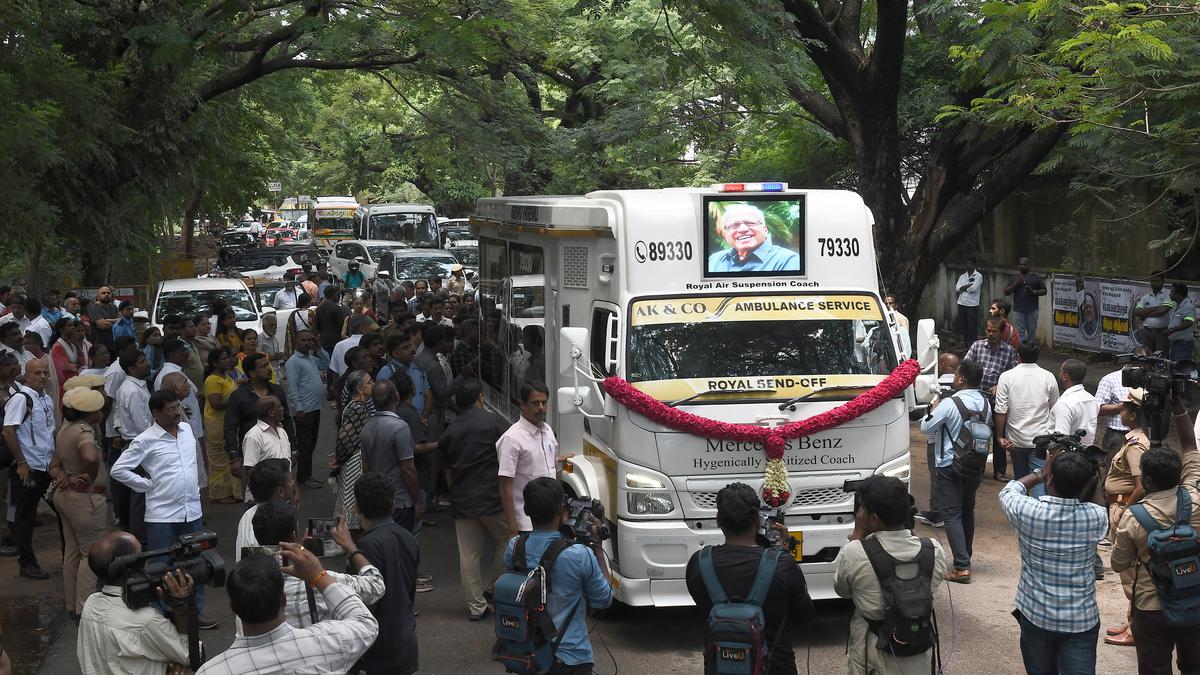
x=669 y=250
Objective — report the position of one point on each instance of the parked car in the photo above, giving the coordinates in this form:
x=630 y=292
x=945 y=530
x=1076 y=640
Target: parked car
x=189 y=297
x=278 y=235
x=468 y=257
x=263 y=263
x=232 y=243
x=457 y=229
x=420 y=263
x=370 y=250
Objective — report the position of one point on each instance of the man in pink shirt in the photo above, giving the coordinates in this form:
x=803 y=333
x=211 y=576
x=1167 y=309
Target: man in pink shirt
x=526 y=451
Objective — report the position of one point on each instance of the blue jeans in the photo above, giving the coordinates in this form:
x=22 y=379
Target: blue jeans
x=954 y=499
x=1026 y=323
x=1046 y=652
x=162 y=535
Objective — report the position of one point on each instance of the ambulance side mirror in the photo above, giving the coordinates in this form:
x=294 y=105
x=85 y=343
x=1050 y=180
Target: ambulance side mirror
x=926 y=385
x=572 y=350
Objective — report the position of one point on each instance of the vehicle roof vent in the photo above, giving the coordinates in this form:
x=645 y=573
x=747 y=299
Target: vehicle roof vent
x=575 y=267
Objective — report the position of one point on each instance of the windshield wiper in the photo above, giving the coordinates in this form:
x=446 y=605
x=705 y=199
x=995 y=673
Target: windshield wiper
x=790 y=404
x=706 y=392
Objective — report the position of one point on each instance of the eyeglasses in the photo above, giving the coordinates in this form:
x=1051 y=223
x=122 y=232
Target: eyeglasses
x=752 y=224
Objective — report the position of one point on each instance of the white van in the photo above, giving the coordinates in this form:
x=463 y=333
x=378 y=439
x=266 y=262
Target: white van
x=741 y=303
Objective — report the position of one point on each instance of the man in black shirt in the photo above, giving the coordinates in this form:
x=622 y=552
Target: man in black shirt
x=241 y=410
x=736 y=563
x=394 y=551
x=468 y=448
x=330 y=316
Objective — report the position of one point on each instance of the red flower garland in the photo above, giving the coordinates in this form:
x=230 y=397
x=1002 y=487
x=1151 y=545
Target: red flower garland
x=773 y=440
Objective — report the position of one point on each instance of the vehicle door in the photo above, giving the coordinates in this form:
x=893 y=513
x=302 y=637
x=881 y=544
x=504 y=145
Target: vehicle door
x=343 y=253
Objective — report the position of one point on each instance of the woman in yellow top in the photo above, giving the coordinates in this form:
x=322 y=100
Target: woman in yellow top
x=1123 y=486
x=250 y=346
x=227 y=331
x=219 y=383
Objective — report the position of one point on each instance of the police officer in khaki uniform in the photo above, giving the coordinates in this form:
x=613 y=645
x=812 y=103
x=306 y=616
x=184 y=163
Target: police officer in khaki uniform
x=1123 y=487
x=80 y=481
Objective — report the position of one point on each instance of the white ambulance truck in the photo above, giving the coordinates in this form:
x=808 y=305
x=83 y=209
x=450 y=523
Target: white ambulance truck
x=746 y=303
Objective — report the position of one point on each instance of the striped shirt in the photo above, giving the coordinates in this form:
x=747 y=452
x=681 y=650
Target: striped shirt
x=1057 y=540
x=1110 y=391
x=994 y=361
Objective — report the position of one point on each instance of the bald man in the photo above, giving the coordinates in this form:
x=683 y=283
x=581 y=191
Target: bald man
x=116 y=639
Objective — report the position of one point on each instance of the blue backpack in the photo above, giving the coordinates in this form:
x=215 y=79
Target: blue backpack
x=1174 y=561
x=526 y=637
x=735 y=635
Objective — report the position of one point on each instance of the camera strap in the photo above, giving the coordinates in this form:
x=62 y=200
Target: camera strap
x=312 y=603
x=195 y=657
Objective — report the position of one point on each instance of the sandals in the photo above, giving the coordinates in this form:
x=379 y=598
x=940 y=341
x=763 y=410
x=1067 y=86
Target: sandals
x=1002 y=477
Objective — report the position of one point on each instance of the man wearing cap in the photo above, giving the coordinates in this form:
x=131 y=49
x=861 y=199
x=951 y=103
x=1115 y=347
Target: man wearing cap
x=458 y=283
x=287 y=296
x=29 y=434
x=1123 y=486
x=354 y=278
x=80 y=499
x=744 y=230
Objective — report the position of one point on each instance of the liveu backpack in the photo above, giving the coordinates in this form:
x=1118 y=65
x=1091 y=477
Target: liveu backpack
x=526 y=637
x=974 y=442
x=909 y=626
x=735 y=634
x=1174 y=561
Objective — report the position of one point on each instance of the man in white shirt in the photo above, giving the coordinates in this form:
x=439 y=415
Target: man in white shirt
x=271 y=645
x=526 y=451
x=1154 y=309
x=966 y=295
x=267 y=439
x=286 y=297
x=167 y=452
x=116 y=639
x=272 y=479
x=1024 y=396
x=1111 y=432
x=16 y=314
x=131 y=407
x=29 y=434
x=337 y=358
x=1076 y=408
x=182 y=386
x=270 y=342
x=12 y=340
x=41 y=325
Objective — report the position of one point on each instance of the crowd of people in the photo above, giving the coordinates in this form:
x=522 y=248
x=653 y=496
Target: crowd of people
x=95 y=412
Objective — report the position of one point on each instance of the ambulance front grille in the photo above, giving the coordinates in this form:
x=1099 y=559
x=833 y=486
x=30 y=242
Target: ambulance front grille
x=826 y=496
x=575 y=267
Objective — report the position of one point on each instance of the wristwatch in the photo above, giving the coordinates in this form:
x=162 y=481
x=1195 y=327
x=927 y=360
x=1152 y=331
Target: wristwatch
x=1038 y=474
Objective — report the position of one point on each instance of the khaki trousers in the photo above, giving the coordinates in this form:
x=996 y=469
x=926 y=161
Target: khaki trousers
x=472 y=534
x=84 y=519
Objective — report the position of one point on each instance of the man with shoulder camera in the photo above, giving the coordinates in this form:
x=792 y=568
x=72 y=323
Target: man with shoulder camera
x=881 y=531
x=275 y=523
x=579 y=575
x=272 y=646
x=736 y=564
x=1168 y=477
x=167 y=453
x=956 y=482
x=1058 y=532
x=116 y=639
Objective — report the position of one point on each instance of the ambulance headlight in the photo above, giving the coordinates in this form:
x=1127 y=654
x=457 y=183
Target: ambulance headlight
x=650 y=503
x=896 y=468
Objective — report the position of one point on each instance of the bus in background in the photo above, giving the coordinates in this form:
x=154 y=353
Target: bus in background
x=412 y=224
x=331 y=219
x=744 y=303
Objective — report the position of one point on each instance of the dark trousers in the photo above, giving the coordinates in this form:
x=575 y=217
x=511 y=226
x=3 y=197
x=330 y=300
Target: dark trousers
x=308 y=425
x=161 y=535
x=405 y=517
x=1156 y=639
x=954 y=499
x=999 y=454
x=930 y=460
x=1047 y=652
x=25 y=504
x=560 y=668
x=129 y=507
x=968 y=323
x=1020 y=459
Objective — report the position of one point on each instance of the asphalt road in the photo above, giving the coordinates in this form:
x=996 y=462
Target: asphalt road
x=979 y=634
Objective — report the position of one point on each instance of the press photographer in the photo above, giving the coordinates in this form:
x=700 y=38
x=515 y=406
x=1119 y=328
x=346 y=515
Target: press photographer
x=717 y=573
x=116 y=638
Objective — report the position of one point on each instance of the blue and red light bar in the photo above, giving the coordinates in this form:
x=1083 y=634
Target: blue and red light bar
x=750 y=187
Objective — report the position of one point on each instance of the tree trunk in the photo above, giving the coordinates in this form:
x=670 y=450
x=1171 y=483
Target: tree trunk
x=187 y=229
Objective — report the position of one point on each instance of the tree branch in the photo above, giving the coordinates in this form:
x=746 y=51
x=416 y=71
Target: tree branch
x=822 y=109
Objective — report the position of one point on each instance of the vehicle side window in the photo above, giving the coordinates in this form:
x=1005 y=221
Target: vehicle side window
x=359 y=252
x=343 y=251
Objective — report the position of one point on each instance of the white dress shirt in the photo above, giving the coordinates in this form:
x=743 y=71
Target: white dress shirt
x=192 y=413
x=35 y=433
x=113 y=378
x=969 y=297
x=245 y=537
x=1076 y=409
x=332 y=646
x=43 y=328
x=132 y=408
x=285 y=299
x=172 y=491
x=264 y=441
x=1026 y=393
x=337 y=360
x=24 y=356
x=116 y=639
x=526 y=452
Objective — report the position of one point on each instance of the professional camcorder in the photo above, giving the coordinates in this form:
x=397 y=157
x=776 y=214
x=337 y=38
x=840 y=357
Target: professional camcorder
x=581 y=521
x=767 y=517
x=194 y=554
x=1158 y=376
x=1069 y=443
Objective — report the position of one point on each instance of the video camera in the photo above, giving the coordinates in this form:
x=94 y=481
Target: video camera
x=767 y=517
x=1156 y=375
x=581 y=522
x=194 y=554
x=1069 y=443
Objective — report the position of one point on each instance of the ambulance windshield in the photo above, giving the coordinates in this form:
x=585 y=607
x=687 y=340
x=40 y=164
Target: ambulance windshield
x=791 y=344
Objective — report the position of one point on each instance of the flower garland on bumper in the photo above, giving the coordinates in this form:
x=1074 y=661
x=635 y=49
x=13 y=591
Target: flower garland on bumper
x=775 y=490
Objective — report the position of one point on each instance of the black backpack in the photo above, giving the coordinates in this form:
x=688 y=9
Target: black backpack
x=526 y=637
x=735 y=634
x=909 y=626
x=974 y=441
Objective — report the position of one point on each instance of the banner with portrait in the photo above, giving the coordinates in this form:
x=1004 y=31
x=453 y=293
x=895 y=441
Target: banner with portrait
x=1096 y=314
